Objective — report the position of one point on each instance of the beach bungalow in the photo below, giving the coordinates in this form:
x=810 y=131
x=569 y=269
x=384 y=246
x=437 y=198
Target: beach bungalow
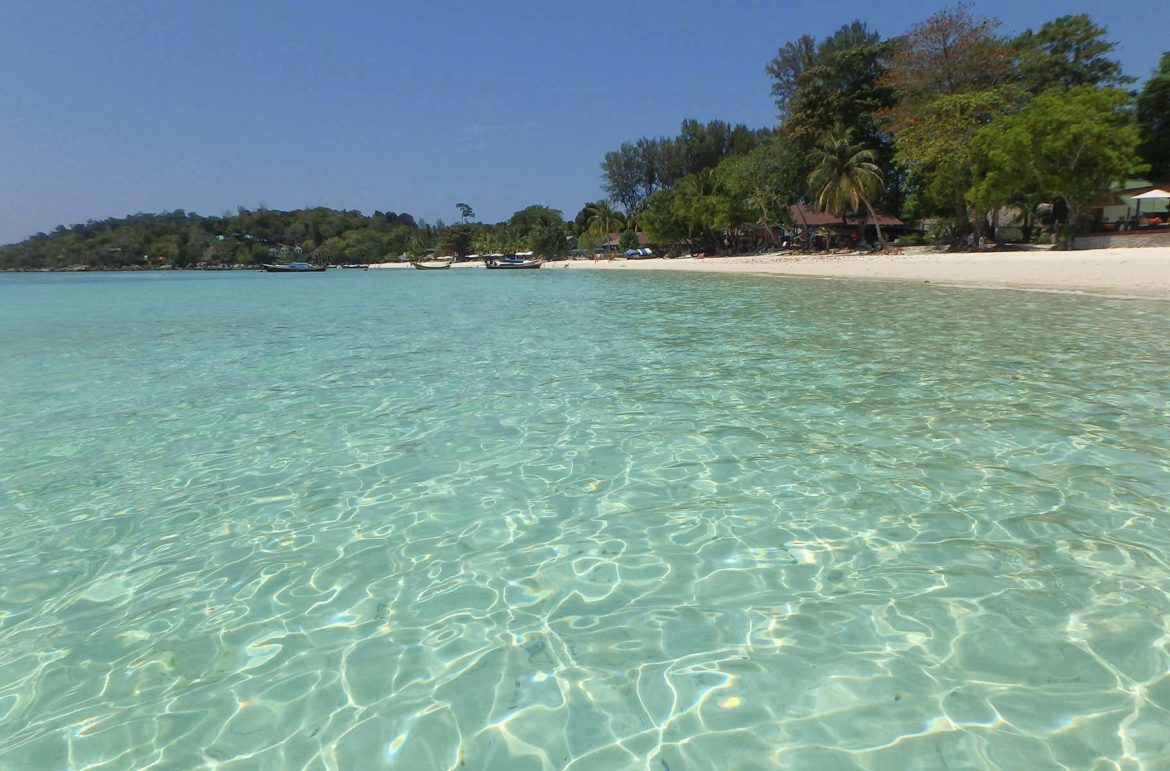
x=1138 y=204
x=1136 y=213
x=612 y=242
x=821 y=227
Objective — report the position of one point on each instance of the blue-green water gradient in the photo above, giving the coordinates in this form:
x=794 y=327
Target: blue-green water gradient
x=565 y=519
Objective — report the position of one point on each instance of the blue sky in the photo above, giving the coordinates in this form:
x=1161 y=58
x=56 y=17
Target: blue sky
x=111 y=108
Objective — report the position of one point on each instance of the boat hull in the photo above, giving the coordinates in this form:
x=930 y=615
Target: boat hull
x=292 y=268
x=420 y=266
x=514 y=266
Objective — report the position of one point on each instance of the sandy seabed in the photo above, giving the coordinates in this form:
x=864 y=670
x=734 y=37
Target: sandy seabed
x=1142 y=272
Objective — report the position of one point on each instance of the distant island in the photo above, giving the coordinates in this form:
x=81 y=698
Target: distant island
x=952 y=132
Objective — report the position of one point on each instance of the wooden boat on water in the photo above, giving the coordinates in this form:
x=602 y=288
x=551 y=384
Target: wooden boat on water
x=420 y=266
x=512 y=265
x=292 y=267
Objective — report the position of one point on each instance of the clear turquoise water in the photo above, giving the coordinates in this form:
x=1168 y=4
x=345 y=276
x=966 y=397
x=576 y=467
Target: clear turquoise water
x=596 y=521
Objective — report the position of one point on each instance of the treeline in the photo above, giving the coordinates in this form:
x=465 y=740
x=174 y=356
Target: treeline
x=946 y=123
x=184 y=239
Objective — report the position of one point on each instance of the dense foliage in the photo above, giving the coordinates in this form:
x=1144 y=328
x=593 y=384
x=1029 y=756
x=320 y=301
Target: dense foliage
x=1067 y=142
x=183 y=239
x=635 y=170
x=1153 y=115
x=918 y=113
x=247 y=238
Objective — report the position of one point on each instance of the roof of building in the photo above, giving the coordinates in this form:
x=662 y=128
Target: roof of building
x=803 y=214
x=614 y=239
x=1131 y=192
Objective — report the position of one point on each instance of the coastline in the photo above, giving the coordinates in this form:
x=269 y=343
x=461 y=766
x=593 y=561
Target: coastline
x=1131 y=273
x=1122 y=273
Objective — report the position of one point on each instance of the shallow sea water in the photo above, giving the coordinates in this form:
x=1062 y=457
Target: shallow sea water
x=553 y=519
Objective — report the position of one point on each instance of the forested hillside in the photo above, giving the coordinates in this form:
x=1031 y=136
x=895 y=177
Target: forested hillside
x=183 y=239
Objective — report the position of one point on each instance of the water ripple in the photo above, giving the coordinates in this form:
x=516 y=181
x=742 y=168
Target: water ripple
x=580 y=521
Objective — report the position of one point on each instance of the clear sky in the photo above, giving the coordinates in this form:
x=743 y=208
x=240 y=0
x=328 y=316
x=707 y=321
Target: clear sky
x=110 y=107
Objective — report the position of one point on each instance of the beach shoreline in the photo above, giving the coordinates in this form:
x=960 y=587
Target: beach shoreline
x=1131 y=273
x=1123 y=273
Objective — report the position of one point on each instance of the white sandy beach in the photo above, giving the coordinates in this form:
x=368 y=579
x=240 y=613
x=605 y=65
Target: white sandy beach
x=1140 y=272
x=1134 y=272
x=1137 y=272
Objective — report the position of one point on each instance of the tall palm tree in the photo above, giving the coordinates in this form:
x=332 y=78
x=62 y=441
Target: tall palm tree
x=602 y=219
x=845 y=177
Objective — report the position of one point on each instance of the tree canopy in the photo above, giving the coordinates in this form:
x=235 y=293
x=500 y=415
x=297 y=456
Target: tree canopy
x=1067 y=51
x=1153 y=117
x=845 y=178
x=1069 y=143
x=637 y=169
x=184 y=239
x=839 y=81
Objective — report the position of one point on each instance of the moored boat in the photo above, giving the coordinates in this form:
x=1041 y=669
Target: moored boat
x=512 y=265
x=420 y=266
x=292 y=267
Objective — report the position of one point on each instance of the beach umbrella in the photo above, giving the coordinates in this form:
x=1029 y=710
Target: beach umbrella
x=1149 y=195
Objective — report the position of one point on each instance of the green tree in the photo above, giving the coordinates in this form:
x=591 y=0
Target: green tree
x=167 y=247
x=465 y=211
x=845 y=177
x=840 y=80
x=548 y=239
x=700 y=146
x=1067 y=51
x=182 y=238
x=936 y=154
x=534 y=217
x=661 y=221
x=786 y=69
x=702 y=204
x=766 y=181
x=603 y=219
x=1067 y=143
x=456 y=240
x=1153 y=117
x=487 y=241
x=634 y=171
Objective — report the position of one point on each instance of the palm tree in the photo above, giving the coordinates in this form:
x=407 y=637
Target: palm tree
x=601 y=218
x=845 y=177
x=700 y=188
